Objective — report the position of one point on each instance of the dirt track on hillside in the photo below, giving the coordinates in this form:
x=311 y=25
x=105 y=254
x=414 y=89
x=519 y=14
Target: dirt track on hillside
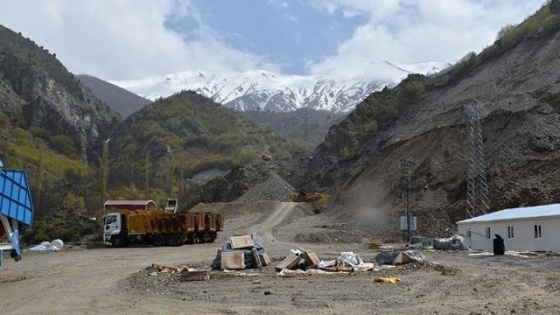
x=121 y=281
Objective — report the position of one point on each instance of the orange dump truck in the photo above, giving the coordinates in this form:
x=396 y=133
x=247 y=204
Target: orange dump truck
x=139 y=222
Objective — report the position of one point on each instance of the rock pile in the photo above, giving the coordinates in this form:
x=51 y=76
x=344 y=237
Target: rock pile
x=275 y=188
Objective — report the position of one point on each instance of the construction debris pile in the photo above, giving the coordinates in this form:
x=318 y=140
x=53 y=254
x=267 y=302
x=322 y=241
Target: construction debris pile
x=306 y=261
x=241 y=252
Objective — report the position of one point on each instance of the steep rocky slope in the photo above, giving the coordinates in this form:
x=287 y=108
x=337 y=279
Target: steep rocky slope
x=515 y=80
x=38 y=91
x=120 y=100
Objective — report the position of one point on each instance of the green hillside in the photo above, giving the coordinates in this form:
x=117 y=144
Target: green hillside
x=173 y=139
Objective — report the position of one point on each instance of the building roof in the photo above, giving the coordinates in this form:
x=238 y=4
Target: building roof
x=131 y=204
x=517 y=213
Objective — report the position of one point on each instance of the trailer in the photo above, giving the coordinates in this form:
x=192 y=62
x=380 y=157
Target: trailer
x=134 y=222
x=16 y=210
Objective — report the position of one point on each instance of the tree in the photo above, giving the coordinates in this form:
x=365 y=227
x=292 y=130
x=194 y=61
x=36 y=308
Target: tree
x=104 y=169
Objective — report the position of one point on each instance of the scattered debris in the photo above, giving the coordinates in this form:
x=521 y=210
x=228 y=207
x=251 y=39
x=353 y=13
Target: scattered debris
x=454 y=242
x=387 y=279
x=53 y=246
x=374 y=243
x=307 y=262
x=195 y=275
x=355 y=261
x=167 y=268
x=400 y=257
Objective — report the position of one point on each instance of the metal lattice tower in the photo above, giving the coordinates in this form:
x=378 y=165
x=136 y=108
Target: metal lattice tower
x=477 y=185
x=405 y=186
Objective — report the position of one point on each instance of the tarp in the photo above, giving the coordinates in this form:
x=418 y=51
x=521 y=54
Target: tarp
x=53 y=246
x=402 y=257
x=386 y=258
x=408 y=257
x=355 y=261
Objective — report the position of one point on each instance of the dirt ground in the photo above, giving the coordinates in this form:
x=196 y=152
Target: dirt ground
x=121 y=280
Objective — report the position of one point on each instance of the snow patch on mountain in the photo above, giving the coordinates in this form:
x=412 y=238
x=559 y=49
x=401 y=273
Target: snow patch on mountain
x=263 y=90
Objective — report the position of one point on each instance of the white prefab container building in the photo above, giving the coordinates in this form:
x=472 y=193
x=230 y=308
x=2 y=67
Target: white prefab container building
x=523 y=229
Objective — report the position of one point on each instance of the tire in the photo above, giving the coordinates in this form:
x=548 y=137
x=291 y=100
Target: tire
x=117 y=241
x=173 y=239
x=190 y=239
x=158 y=240
x=208 y=237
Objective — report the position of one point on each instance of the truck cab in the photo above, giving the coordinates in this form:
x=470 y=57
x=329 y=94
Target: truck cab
x=112 y=229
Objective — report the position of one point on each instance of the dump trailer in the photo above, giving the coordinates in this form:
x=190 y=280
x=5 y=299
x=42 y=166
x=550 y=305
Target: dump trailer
x=127 y=226
x=16 y=210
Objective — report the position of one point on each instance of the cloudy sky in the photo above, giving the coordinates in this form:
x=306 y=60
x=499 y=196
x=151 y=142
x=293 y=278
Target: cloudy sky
x=132 y=39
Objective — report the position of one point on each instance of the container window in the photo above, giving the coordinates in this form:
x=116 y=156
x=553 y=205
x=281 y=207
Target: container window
x=488 y=232
x=510 y=231
x=538 y=231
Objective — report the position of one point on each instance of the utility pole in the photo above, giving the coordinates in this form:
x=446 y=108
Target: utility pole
x=146 y=174
x=104 y=170
x=477 y=185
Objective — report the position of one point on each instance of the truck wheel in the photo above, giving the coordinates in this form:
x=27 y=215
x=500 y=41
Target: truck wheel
x=173 y=240
x=207 y=237
x=158 y=240
x=117 y=241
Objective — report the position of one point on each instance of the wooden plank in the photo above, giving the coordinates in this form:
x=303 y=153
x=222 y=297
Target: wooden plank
x=288 y=263
x=243 y=241
x=257 y=258
x=265 y=260
x=196 y=275
x=311 y=258
x=338 y=269
x=234 y=260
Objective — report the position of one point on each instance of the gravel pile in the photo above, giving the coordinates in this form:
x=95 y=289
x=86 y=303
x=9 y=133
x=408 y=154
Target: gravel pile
x=275 y=188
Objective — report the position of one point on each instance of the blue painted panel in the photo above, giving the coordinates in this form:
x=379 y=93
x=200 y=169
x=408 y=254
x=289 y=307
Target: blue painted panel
x=15 y=198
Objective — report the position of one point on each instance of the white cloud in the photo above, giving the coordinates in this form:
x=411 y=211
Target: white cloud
x=119 y=39
x=129 y=39
x=414 y=31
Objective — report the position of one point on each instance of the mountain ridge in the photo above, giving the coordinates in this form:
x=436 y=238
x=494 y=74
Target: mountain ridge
x=120 y=100
x=263 y=90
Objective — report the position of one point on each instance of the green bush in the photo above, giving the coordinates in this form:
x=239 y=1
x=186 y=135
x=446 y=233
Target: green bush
x=414 y=89
x=347 y=152
x=64 y=145
x=371 y=126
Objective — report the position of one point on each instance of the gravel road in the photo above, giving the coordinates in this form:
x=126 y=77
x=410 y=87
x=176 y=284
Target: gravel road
x=121 y=280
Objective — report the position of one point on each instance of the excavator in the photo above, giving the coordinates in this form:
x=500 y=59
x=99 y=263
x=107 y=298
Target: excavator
x=316 y=198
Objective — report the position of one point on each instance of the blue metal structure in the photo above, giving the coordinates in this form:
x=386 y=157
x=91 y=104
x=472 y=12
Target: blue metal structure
x=16 y=209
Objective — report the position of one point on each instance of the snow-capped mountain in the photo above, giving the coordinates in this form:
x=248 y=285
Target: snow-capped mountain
x=262 y=90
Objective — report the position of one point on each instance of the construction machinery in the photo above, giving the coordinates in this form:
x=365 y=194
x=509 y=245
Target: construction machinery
x=140 y=222
x=316 y=198
x=16 y=210
x=302 y=196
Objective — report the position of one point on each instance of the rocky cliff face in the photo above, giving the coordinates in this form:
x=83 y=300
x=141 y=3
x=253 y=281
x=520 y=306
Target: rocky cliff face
x=36 y=89
x=520 y=93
